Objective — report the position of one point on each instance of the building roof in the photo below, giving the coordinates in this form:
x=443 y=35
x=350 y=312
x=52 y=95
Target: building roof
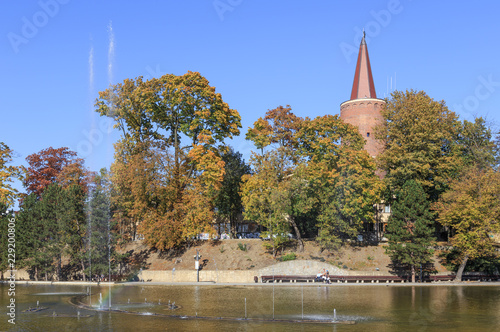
x=363 y=86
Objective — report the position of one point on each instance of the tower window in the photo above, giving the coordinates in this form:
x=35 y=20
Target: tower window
x=367 y=134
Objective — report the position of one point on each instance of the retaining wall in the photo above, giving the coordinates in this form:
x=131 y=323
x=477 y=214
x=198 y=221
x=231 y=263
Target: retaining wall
x=298 y=267
x=205 y=276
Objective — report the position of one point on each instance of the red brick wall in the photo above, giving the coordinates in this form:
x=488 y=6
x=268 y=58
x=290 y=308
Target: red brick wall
x=364 y=114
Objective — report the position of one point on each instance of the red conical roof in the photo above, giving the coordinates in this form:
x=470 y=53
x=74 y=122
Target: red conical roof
x=363 y=86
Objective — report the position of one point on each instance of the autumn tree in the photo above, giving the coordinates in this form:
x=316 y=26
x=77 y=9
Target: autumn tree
x=274 y=135
x=476 y=144
x=323 y=178
x=5 y=217
x=167 y=163
x=471 y=209
x=419 y=136
x=228 y=200
x=340 y=176
x=264 y=199
x=8 y=173
x=409 y=229
x=55 y=166
x=497 y=150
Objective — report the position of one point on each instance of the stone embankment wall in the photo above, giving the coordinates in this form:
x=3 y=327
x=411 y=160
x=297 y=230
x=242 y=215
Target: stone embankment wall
x=19 y=274
x=205 y=276
x=302 y=267
x=298 y=267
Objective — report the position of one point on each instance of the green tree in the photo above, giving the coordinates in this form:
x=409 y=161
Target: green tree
x=409 y=228
x=228 y=201
x=419 y=136
x=54 y=218
x=167 y=164
x=471 y=209
x=32 y=237
x=100 y=236
x=51 y=228
x=74 y=227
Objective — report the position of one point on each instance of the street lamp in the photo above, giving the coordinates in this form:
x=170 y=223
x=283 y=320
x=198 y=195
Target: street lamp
x=197 y=265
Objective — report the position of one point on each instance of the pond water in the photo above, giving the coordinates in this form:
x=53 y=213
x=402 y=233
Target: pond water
x=146 y=308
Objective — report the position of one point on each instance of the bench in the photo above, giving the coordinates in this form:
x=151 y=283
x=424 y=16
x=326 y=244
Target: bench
x=480 y=277
x=333 y=278
x=375 y=279
x=363 y=279
x=440 y=278
x=288 y=278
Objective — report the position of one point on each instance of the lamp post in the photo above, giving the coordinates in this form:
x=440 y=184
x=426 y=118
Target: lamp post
x=197 y=265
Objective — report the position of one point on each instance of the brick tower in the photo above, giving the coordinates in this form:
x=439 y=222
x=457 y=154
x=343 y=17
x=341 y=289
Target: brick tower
x=363 y=109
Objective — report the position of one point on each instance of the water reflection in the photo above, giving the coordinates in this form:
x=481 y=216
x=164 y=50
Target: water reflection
x=374 y=308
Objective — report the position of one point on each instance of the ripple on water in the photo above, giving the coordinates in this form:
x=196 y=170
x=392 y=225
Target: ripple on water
x=322 y=317
x=59 y=294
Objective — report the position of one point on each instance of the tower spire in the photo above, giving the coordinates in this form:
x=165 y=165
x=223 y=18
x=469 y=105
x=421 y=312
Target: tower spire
x=363 y=86
x=363 y=109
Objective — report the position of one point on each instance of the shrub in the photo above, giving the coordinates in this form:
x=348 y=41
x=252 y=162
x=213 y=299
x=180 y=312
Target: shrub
x=288 y=257
x=242 y=247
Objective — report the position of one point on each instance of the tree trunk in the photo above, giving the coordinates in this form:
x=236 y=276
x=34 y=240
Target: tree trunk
x=232 y=225
x=461 y=268
x=36 y=273
x=83 y=271
x=413 y=273
x=297 y=233
x=59 y=267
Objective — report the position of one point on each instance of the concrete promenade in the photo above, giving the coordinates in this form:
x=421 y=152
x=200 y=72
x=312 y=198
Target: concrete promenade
x=247 y=277
x=239 y=284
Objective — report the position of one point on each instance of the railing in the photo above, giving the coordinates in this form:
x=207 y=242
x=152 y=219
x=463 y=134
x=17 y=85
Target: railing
x=374 y=279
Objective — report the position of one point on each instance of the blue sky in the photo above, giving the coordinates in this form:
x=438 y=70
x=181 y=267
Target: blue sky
x=57 y=55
